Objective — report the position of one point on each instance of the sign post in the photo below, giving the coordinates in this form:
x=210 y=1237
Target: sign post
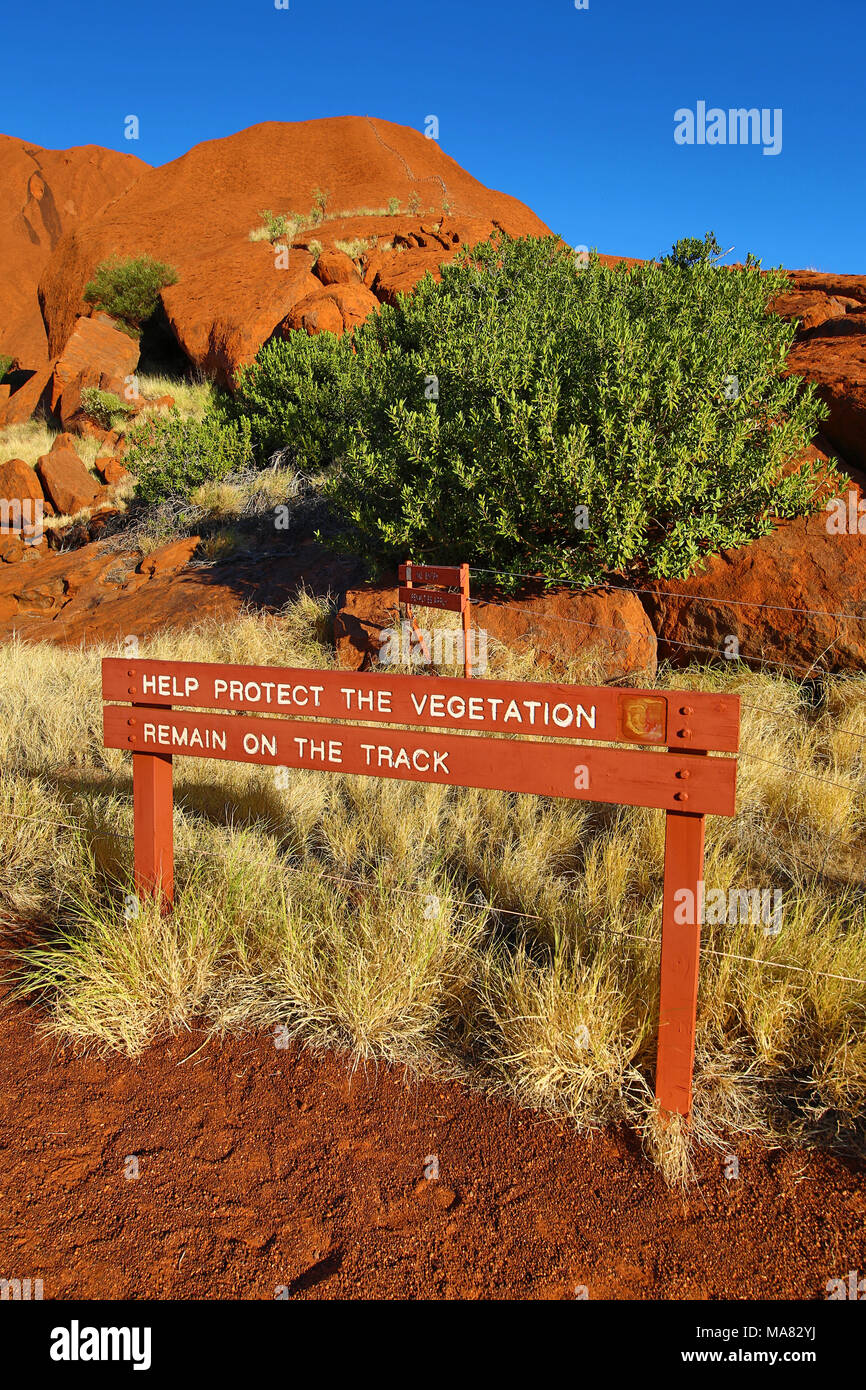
x=547 y=740
x=153 y=816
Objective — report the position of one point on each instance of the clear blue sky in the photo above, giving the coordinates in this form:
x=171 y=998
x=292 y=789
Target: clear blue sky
x=571 y=111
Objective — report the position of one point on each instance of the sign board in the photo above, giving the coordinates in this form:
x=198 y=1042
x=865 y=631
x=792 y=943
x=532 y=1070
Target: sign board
x=518 y=736
x=445 y=576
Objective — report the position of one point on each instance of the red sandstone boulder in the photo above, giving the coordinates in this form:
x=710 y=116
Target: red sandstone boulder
x=607 y=633
x=399 y=273
x=111 y=471
x=22 y=504
x=230 y=303
x=12 y=548
x=335 y=268
x=62 y=442
x=332 y=309
x=96 y=355
x=25 y=402
x=18 y=480
x=66 y=482
x=794 y=598
x=169 y=559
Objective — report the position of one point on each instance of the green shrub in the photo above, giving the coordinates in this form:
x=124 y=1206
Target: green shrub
x=653 y=398
x=303 y=395
x=273 y=226
x=104 y=407
x=320 y=204
x=5 y=364
x=393 y=206
x=690 y=251
x=172 y=456
x=129 y=289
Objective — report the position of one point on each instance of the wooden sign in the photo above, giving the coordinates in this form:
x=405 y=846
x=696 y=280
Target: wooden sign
x=625 y=777
x=518 y=736
x=685 y=720
x=446 y=576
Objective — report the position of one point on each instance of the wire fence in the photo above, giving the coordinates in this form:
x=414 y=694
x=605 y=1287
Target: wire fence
x=100 y=832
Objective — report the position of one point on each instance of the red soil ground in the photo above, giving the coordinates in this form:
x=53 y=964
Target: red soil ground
x=264 y=1169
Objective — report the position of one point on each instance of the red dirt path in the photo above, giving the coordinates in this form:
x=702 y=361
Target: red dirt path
x=262 y=1169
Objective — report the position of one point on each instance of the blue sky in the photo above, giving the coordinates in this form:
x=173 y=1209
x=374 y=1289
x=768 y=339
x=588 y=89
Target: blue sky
x=570 y=110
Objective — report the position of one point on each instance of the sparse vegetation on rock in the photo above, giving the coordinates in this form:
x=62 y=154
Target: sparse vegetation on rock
x=128 y=289
x=104 y=406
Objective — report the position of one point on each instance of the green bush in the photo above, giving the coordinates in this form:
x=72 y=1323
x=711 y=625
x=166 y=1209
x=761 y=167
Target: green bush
x=479 y=417
x=103 y=407
x=5 y=364
x=129 y=289
x=274 y=226
x=303 y=394
x=690 y=251
x=171 y=456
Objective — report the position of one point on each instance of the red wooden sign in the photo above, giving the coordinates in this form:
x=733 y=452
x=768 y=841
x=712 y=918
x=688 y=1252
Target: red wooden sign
x=445 y=576
x=425 y=729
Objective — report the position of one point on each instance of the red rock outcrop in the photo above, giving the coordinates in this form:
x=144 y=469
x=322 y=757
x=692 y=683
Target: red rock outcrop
x=18 y=481
x=336 y=268
x=44 y=193
x=111 y=470
x=831 y=351
x=169 y=559
x=96 y=355
x=331 y=308
x=608 y=632
x=231 y=295
x=22 y=502
x=28 y=399
x=795 y=598
x=97 y=594
x=66 y=481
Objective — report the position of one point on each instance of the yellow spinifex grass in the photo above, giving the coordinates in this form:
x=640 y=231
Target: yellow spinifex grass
x=512 y=940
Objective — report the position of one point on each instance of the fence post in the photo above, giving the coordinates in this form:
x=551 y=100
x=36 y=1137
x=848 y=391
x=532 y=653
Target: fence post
x=681 y=942
x=467 y=621
x=153 y=823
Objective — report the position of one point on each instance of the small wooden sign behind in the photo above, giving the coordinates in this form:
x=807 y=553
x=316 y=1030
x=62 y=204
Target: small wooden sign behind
x=356 y=723
x=446 y=576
